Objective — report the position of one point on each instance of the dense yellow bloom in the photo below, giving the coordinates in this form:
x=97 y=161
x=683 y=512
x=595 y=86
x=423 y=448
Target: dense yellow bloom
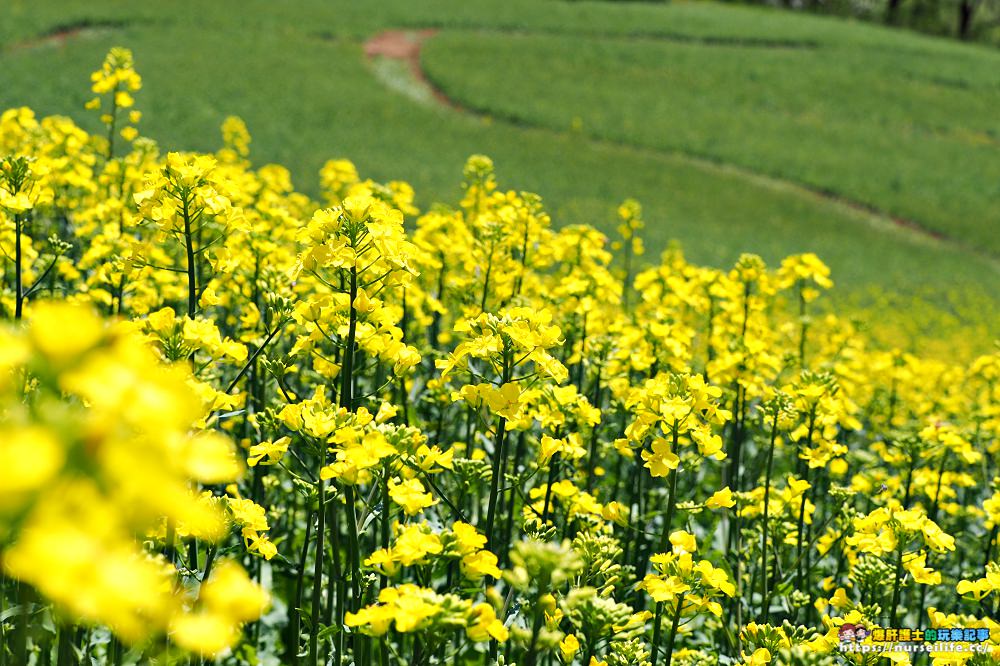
x=410 y=495
x=883 y=529
x=568 y=647
x=268 y=453
x=228 y=599
x=723 y=499
x=917 y=567
x=251 y=518
x=105 y=473
x=982 y=587
x=32 y=457
x=410 y=608
x=760 y=657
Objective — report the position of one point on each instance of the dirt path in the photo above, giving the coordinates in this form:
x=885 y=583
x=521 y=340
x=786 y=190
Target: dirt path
x=405 y=46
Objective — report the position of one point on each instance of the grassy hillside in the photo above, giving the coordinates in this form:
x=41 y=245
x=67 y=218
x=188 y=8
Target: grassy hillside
x=907 y=131
x=297 y=74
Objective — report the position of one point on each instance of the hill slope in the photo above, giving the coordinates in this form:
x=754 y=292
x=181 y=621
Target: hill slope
x=298 y=76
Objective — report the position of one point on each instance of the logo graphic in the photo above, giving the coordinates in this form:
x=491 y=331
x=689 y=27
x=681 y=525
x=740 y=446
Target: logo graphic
x=853 y=632
x=898 y=640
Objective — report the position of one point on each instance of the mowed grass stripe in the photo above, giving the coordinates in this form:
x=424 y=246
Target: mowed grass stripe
x=914 y=137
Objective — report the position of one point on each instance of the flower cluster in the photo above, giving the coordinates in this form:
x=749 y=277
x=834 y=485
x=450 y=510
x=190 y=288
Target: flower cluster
x=100 y=446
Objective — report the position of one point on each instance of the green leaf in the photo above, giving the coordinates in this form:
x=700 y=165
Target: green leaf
x=306 y=616
x=328 y=632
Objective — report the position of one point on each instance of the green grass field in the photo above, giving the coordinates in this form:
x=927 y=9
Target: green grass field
x=713 y=116
x=906 y=131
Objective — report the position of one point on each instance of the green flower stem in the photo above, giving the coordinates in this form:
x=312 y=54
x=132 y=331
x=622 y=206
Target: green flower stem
x=553 y=468
x=898 y=579
x=18 y=258
x=3 y=629
x=804 y=328
x=486 y=280
x=508 y=530
x=657 y=632
x=581 y=367
x=317 y=589
x=354 y=563
x=627 y=278
x=673 y=629
x=671 y=497
x=663 y=546
x=592 y=456
x=991 y=541
x=347 y=374
x=294 y=616
x=709 y=350
x=189 y=250
x=404 y=396
x=19 y=648
x=337 y=587
x=112 y=124
x=499 y=454
x=765 y=592
x=936 y=504
x=933 y=514
x=209 y=561
x=634 y=489
x=347 y=402
x=800 y=529
x=434 y=331
x=64 y=649
x=341 y=585
x=531 y=655
x=671 y=637
x=170 y=537
x=386 y=515
x=117 y=651
x=253 y=359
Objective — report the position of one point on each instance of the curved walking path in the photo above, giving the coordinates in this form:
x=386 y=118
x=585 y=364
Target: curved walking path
x=404 y=46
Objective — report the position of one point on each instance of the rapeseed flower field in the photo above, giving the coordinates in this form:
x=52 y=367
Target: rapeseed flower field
x=242 y=426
